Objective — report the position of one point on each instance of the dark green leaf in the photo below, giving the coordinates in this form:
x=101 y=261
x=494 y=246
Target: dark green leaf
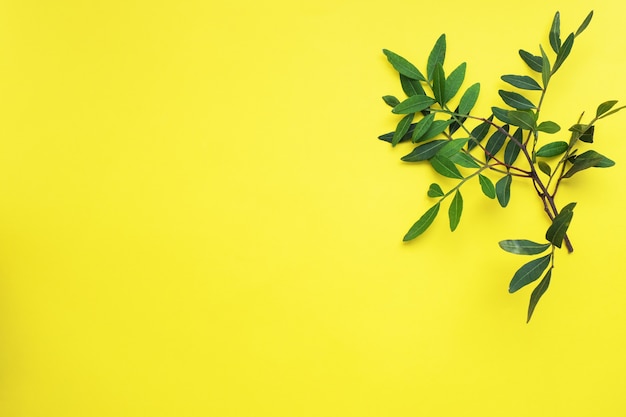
x=545 y=68
x=436 y=56
x=487 y=186
x=523 y=247
x=403 y=66
x=537 y=293
x=523 y=118
x=503 y=190
x=589 y=159
x=478 y=134
x=439 y=84
x=548 y=127
x=423 y=223
x=413 y=104
x=457 y=121
x=604 y=107
x=469 y=98
x=555 y=33
x=411 y=87
x=612 y=112
x=545 y=168
x=452 y=147
x=585 y=23
x=496 y=141
x=391 y=101
x=533 y=61
x=436 y=128
x=566 y=48
x=422 y=127
x=552 y=149
x=445 y=167
x=529 y=272
x=455 y=210
x=583 y=132
x=515 y=100
x=435 y=191
x=454 y=82
x=402 y=128
x=557 y=230
x=464 y=160
x=501 y=114
x=512 y=149
x=424 y=151
x=522 y=81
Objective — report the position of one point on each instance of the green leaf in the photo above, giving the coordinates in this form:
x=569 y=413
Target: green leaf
x=487 y=186
x=545 y=68
x=501 y=114
x=422 y=127
x=423 y=223
x=424 y=151
x=557 y=230
x=604 y=107
x=521 y=81
x=439 y=85
x=503 y=190
x=548 y=127
x=515 y=100
x=478 y=134
x=455 y=210
x=545 y=168
x=496 y=141
x=403 y=66
x=552 y=149
x=555 y=33
x=585 y=23
x=464 y=160
x=582 y=132
x=391 y=101
x=512 y=150
x=435 y=129
x=533 y=61
x=566 y=48
x=445 y=167
x=529 y=272
x=435 y=191
x=454 y=82
x=523 y=118
x=436 y=56
x=523 y=247
x=457 y=121
x=402 y=128
x=589 y=159
x=413 y=104
x=452 y=147
x=469 y=98
x=411 y=87
x=537 y=293
x=612 y=112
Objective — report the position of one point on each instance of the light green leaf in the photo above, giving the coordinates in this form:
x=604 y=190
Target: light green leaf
x=452 y=147
x=503 y=190
x=533 y=61
x=521 y=81
x=454 y=82
x=537 y=293
x=464 y=160
x=548 y=127
x=422 y=127
x=413 y=104
x=436 y=56
x=435 y=191
x=424 y=151
x=469 y=98
x=435 y=129
x=423 y=223
x=402 y=128
x=545 y=168
x=411 y=87
x=455 y=210
x=515 y=100
x=555 y=33
x=545 y=68
x=445 y=167
x=523 y=247
x=529 y=272
x=487 y=186
x=403 y=66
x=557 y=230
x=552 y=149
x=524 y=119
x=584 y=24
x=566 y=48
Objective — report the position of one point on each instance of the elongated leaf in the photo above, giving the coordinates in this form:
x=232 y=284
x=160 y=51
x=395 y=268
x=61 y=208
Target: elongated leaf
x=435 y=191
x=521 y=81
x=524 y=119
x=533 y=61
x=422 y=127
x=402 y=128
x=457 y=122
x=557 y=230
x=501 y=114
x=411 y=87
x=413 y=104
x=454 y=82
x=545 y=68
x=464 y=160
x=515 y=100
x=512 y=150
x=452 y=147
x=403 y=66
x=537 y=293
x=487 y=186
x=436 y=56
x=523 y=247
x=424 y=151
x=439 y=84
x=529 y=272
x=545 y=168
x=435 y=129
x=445 y=167
x=584 y=24
x=478 y=134
x=589 y=159
x=388 y=137
x=548 y=127
x=503 y=190
x=495 y=142
x=555 y=33
x=566 y=48
x=604 y=107
x=469 y=98
x=552 y=149
x=455 y=210
x=423 y=223
x=612 y=112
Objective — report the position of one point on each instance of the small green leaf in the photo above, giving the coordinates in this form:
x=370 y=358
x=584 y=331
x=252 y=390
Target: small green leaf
x=464 y=160
x=402 y=128
x=529 y=272
x=423 y=223
x=545 y=168
x=552 y=149
x=413 y=104
x=487 y=186
x=424 y=151
x=523 y=247
x=612 y=112
x=512 y=149
x=533 y=61
x=469 y=98
x=435 y=191
x=555 y=33
x=604 y=107
x=439 y=84
x=523 y=118
x=537 y=293
x=548 y=127
x=403 y=66
x=452 y=147
x=422 y=127
x=589 y=159
x=435 y=129
x=566 y=48
x=391 y=101
x=501 y=114
x=411 y=87
x=436 y=56
x=455 y=210
x=521 y=81
x=583 y=132
x=478 y=134
x=503 y=190
x=454 y=82
x=496 y=141
x=545 y=68
x=557 y=230
x=584 y=24
x=515 y=100
x=445 y=167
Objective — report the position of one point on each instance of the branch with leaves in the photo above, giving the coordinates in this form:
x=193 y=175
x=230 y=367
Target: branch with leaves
x=514 y=148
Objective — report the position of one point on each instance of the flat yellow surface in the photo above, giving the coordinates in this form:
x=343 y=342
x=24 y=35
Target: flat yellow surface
x=196 y=217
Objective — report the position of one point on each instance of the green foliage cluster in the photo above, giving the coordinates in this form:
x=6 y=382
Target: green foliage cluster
x=510 y=143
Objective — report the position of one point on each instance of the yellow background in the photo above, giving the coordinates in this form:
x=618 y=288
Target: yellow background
x=196 y=217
